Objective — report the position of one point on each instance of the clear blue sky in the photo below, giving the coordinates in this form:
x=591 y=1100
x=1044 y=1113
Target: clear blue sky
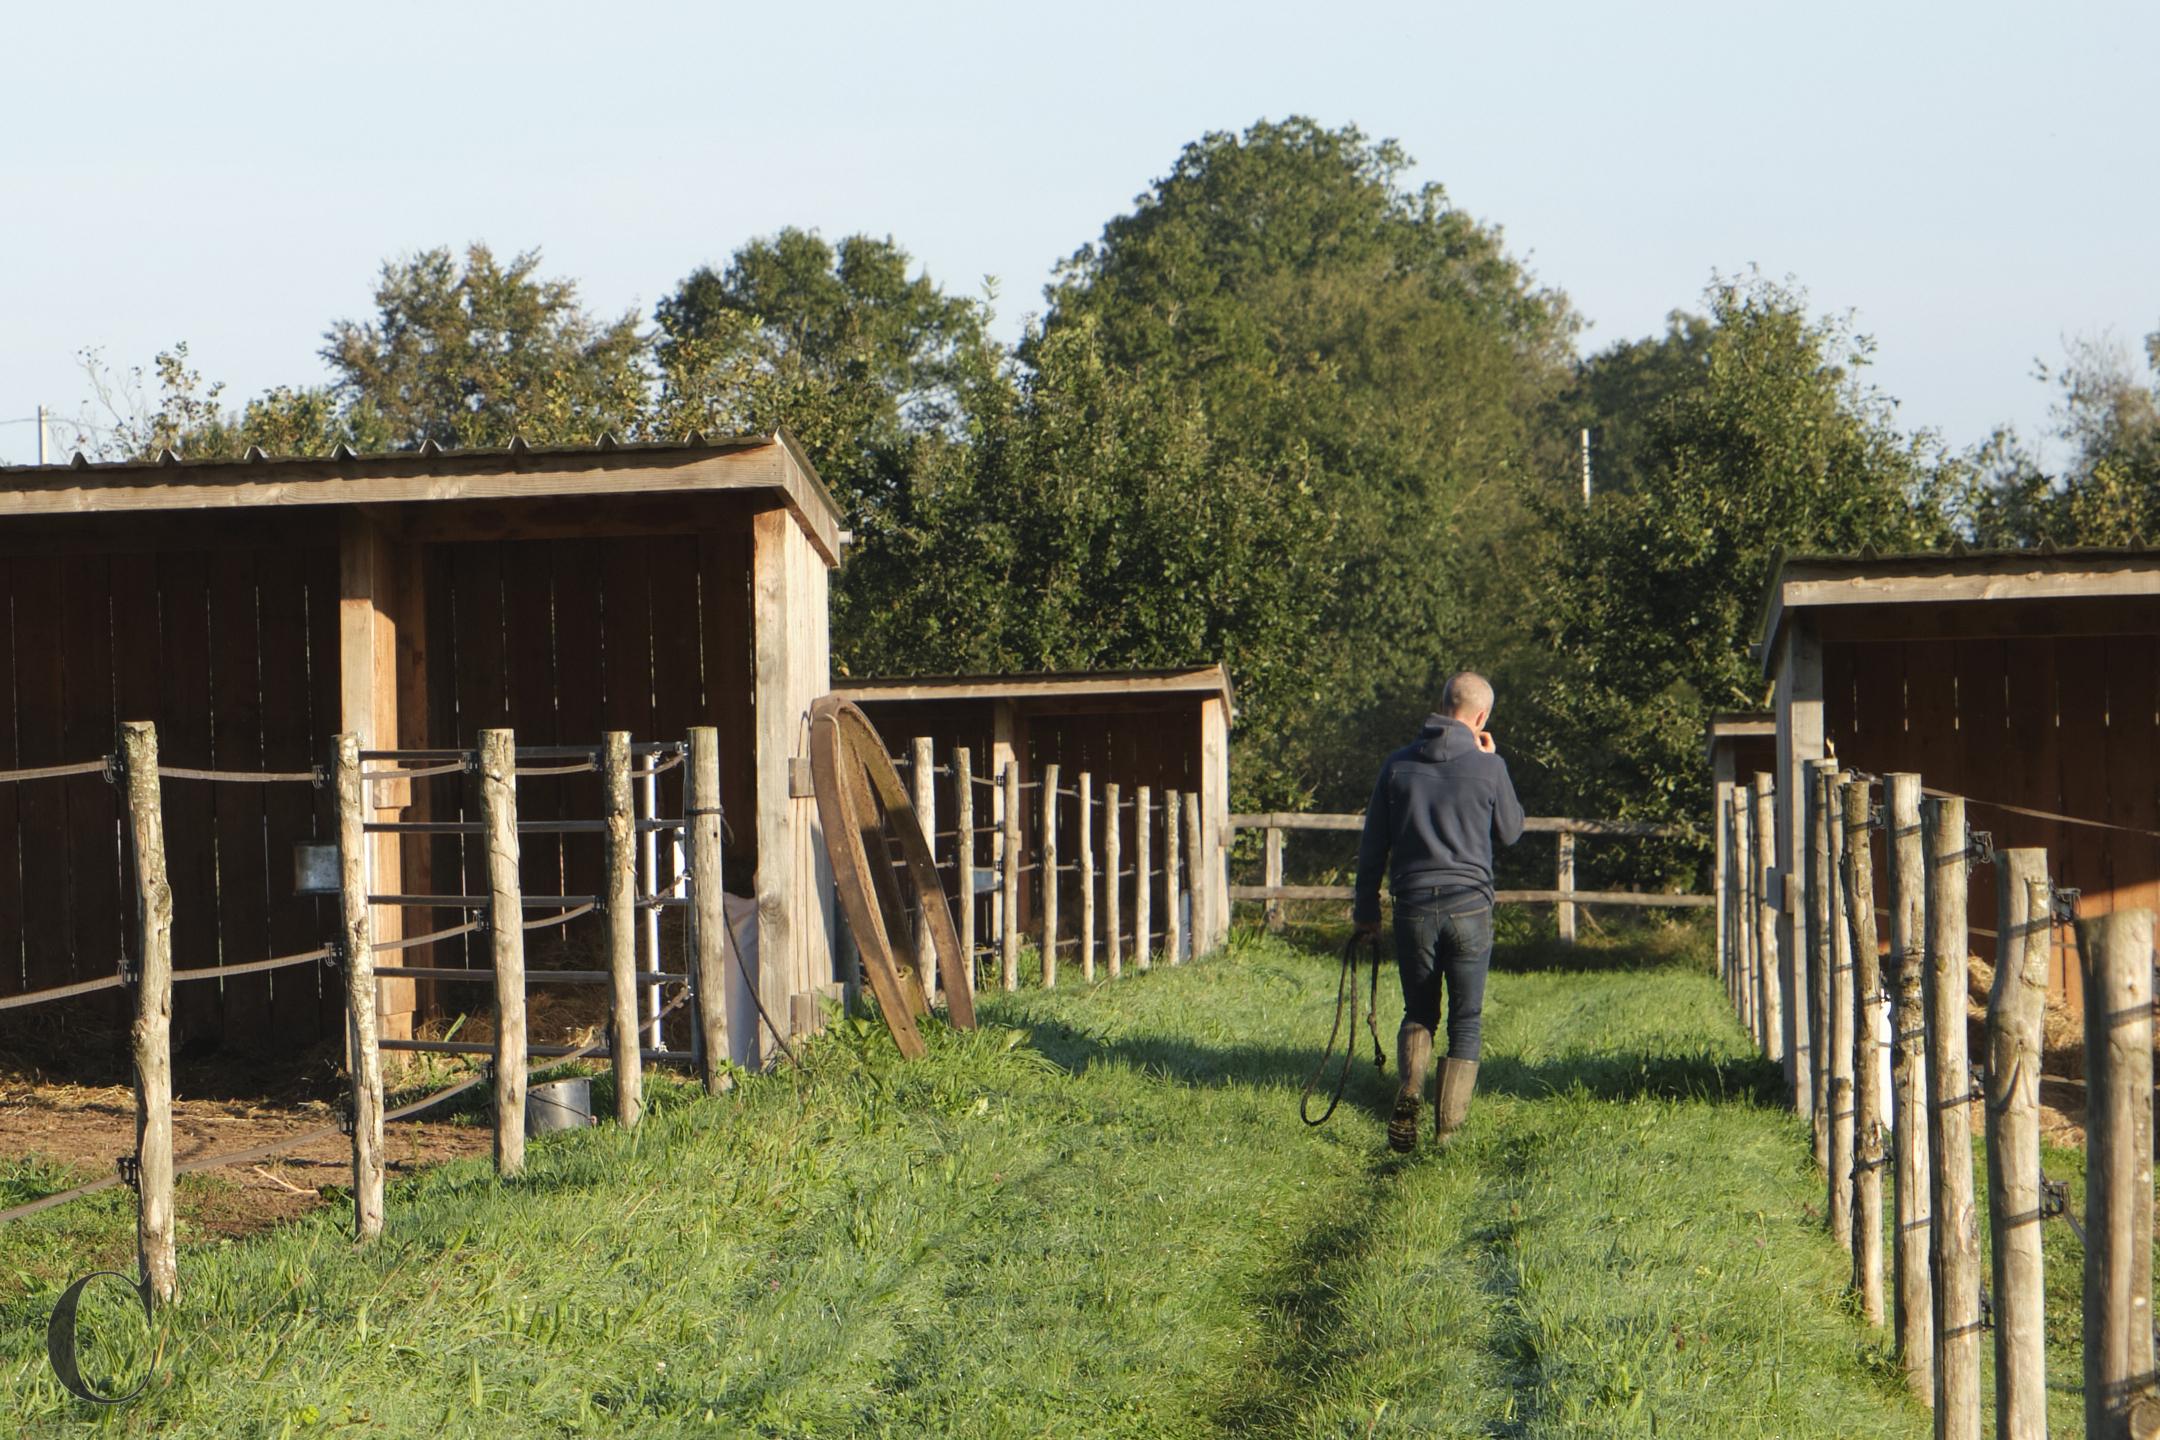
x=1974 y=180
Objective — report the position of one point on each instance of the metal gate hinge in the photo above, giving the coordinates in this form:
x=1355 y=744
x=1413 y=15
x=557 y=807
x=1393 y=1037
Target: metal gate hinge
x=130 y=1168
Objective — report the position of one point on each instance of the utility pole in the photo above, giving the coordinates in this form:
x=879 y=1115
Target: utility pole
x=1586 y=465
x=41 y=434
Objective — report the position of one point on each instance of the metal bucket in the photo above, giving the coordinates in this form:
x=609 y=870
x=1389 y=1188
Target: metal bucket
x=558 y=1105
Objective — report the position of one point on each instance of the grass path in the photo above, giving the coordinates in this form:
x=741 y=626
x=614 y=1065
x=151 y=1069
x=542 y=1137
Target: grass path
x=1097 y=1216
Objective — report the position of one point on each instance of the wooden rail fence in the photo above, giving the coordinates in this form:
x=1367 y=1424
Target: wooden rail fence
x=1042 y=863
x=1564 y=897
x=1894 y=1090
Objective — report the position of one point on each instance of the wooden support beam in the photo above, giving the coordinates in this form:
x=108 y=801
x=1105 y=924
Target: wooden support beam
x=1837 y=1028
x=1198 y=898
x=1009 y=877
x=1173 y=931
x=1086 y=818
x=1799 y=711
x=1956 y=1230
x=619 y=893
x=922 y=771
x=357 y=962
x=1143 y=845
x=152 y=1031
x=1046 y=874
x=1114 y=881
x=964 y=849
x=497 y=785
x=2016 y=1021
x=1769 y=979
x=1814 y=797
x=711 y=945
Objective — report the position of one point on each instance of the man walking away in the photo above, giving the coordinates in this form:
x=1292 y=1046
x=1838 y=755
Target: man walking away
x=1441 y=805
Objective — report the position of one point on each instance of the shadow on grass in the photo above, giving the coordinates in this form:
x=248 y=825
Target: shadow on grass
x=1621 y=1075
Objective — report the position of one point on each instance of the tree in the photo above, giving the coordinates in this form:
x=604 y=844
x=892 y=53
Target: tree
x=478 y=354
x=858 y=358
x=2109 y=491
x=1763 y=441
x=1323 y=320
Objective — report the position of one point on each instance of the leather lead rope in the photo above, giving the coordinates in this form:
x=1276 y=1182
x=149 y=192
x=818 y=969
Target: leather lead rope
x=1346 y=999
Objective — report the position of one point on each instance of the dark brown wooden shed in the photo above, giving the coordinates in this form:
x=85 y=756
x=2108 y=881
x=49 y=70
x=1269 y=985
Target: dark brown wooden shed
x=1167 y=729
x=254 y=609
x=2028 y=682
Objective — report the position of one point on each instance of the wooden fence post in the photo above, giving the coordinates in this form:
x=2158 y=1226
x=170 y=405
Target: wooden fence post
x=506 y=937
x=357 y=960
x=1087 y=875
x=1173 y=926
x=2116 y=956
x=1198 y=888
x=1046 y=875
x=964 y=849
x=1009 y=879
x=1816 y=799
x=1767 y=983
x=923 y=771
x=1564 y=882
x=1750 y=901
x=1731 y=880
x=1915 y=1309
x=709 y=938
x=620 y=900
x=2017 y=1014
x=1143 y=844
x=1273 y=876
x=1866 y=1011
x=1956 y=1228
x=1114 y=881
x=152 y=1030
x=1837 y=1053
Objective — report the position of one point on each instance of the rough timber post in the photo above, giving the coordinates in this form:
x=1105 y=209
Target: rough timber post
x=2116 y=955
x=2017 y=1014
x=620 y=871
x=1273 y=877
x=1009 y=878
x=923 y=771
x=1086 y=818
x=1142 y=845
x=152 y=1030
x=1743 y=909
x=1198 y=897
x=1915 y=1313
x=1173 y=930
x=506 y=937
x=1798 y=703
x=1956 y=1229
x=1836 y=1056
x=1047 y=875
x=1564 y=882
x=1113 y=879
x=1771 y=1013
x=709 y=939
x=964 y=849
x=357 y=962
x=1816 y=797
x=1866 y=1005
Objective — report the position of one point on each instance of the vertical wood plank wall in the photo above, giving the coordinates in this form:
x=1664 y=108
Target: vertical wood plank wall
x=233 y=655
x=2065 y=725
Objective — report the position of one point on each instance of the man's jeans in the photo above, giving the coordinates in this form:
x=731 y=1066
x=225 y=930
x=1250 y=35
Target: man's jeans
x=1445 y=940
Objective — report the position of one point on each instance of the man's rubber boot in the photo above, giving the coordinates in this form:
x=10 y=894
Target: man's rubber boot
x=1413 y=1050
x=1457 y=1079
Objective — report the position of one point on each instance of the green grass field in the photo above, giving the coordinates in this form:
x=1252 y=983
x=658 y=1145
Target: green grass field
x=1096 y=1216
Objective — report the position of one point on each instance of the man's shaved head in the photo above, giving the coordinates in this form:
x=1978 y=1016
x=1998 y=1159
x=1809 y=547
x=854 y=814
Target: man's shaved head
x=1466 y=695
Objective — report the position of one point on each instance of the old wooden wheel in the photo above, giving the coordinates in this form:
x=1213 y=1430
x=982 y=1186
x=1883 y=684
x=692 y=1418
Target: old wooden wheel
x=874 y=837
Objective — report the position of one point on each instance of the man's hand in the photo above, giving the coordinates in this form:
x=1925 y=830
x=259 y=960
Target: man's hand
x=1366 y=930
x=1484 y=740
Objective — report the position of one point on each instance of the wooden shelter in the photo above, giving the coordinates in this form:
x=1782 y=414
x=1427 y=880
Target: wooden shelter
x=256 y=608
x=2026 y=681
x=1165 y=729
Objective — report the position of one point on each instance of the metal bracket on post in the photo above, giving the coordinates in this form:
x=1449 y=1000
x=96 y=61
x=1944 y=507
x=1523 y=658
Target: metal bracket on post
x=2054 y=1196
x=1875 y=820
x=130 y=1168
x=2063 y=904
x=1980 y=847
